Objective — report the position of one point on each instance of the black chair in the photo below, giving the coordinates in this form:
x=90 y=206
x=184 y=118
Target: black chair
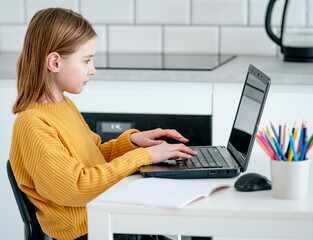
x=32 y=228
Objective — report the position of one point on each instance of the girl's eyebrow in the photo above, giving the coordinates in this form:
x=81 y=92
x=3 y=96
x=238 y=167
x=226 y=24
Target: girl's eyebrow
x=91 y=55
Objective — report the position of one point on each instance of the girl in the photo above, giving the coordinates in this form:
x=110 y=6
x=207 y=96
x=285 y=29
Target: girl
x=57 y=160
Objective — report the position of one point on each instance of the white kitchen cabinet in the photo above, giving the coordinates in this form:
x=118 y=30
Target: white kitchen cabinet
x=11 y=225
x=192 y=98
x=286 y=103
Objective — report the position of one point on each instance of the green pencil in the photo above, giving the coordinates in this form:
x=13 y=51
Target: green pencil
x=310 y=140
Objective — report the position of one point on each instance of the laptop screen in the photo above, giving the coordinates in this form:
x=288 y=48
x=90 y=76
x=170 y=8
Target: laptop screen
x=248 y=114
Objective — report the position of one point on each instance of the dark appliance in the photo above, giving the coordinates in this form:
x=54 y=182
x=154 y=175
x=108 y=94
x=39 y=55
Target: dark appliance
x=197 y=128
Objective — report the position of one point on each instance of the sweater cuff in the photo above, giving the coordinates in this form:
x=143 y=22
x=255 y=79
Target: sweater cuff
x=125 y=137
x=141 y=156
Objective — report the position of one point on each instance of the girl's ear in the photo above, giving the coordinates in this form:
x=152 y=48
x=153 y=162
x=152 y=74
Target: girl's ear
x=53 y=62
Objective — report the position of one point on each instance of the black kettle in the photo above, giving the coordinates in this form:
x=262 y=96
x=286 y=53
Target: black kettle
x=296 y=41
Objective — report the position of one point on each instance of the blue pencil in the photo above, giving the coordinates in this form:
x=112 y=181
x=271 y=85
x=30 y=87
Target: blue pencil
x=280 y=151
x=303 y=150
x=304 y=134
x=292 y=145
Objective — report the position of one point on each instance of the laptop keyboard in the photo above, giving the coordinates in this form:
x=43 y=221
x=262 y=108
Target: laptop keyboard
x=206 y=158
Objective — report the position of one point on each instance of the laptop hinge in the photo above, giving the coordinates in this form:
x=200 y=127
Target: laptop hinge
x=240 y=160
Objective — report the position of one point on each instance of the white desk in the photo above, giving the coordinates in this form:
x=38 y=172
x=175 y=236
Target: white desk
x=227 y=213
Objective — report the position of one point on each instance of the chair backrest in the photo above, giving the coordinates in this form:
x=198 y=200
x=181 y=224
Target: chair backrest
x=26 y=208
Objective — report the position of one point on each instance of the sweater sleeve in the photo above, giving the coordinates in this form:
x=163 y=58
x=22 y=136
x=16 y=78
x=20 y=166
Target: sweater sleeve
x=117 y=147
x=113 y=148
x=61 y=178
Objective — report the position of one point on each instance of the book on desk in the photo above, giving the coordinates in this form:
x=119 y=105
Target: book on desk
x=160 y=192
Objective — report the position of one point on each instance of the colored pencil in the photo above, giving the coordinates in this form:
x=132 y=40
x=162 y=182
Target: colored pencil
x=303 y=150
x=300 y=139
x=273 y=148
x=310 y=139
x=265 y=144
x=269 y=134
x=290 y=155
x=304 y=135
x=262 y=134
x=279 y=150
x=284 y=138
x=309 y=148
x=288 y=147
x=265 y=149
x=274 y=131
x=292 y=146
x=279 y=133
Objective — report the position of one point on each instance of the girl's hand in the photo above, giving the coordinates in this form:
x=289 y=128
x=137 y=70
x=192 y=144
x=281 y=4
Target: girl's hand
x=165 y=151
x=151 y=138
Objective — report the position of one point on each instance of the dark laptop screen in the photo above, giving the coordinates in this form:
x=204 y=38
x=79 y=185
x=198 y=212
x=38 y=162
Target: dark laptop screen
x=248 y=113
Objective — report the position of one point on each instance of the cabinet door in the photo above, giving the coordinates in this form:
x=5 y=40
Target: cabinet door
x=286 y=103
x=145 y=97
x=225 y=102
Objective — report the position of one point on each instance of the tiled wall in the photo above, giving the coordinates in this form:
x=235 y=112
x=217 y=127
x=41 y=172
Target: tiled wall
x=153 y=26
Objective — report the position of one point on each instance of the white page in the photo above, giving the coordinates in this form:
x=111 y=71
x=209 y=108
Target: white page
x=170 y=193
x=192 y=186
x=135 y=196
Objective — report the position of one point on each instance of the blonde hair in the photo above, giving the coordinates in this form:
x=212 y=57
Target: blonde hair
x=50 y=30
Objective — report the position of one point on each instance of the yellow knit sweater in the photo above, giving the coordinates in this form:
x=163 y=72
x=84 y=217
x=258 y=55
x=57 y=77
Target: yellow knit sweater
x=60 y=164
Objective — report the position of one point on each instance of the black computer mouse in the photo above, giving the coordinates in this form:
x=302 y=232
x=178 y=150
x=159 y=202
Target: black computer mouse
x=252 y=182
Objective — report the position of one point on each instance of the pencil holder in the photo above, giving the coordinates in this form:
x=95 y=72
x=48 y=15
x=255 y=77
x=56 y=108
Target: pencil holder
x=290 y=179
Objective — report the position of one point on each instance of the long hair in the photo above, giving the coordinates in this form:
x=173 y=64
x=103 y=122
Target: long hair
x=50 y=30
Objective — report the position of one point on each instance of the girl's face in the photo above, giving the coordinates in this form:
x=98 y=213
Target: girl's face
x=75 y=70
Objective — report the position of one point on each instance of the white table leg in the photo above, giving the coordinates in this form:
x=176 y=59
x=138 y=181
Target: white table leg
x=99 y=227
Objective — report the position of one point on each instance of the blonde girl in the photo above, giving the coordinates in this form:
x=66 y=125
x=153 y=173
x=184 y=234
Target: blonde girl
x=58 y=162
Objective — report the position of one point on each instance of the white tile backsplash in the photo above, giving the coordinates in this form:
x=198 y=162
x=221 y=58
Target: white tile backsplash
x=12 y=12
x=257 y=11
x=162 y=11
x=108 y=11
x=139 y=39
x=12 y=38
x=224 y=12
x=154 y=26
x=32 y=6
x=101 y=38
x=310 y=13
x=191 y=40
x=246 y=41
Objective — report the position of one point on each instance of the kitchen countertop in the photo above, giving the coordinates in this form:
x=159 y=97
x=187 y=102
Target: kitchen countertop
x=234 y=71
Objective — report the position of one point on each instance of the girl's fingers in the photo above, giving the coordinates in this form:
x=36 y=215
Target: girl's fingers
x=171 y=133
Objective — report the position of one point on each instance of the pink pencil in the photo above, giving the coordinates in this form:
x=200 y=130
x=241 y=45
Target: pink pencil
x=264 y=145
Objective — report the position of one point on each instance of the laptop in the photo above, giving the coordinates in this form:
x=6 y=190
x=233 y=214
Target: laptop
x=223 y=161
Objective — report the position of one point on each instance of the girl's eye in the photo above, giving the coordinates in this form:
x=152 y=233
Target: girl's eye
x=87 y=61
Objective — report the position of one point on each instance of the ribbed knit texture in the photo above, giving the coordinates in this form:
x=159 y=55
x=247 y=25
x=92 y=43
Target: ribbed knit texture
x=60 y=164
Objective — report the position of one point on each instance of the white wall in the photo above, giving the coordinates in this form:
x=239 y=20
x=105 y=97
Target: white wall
x=206 y=26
